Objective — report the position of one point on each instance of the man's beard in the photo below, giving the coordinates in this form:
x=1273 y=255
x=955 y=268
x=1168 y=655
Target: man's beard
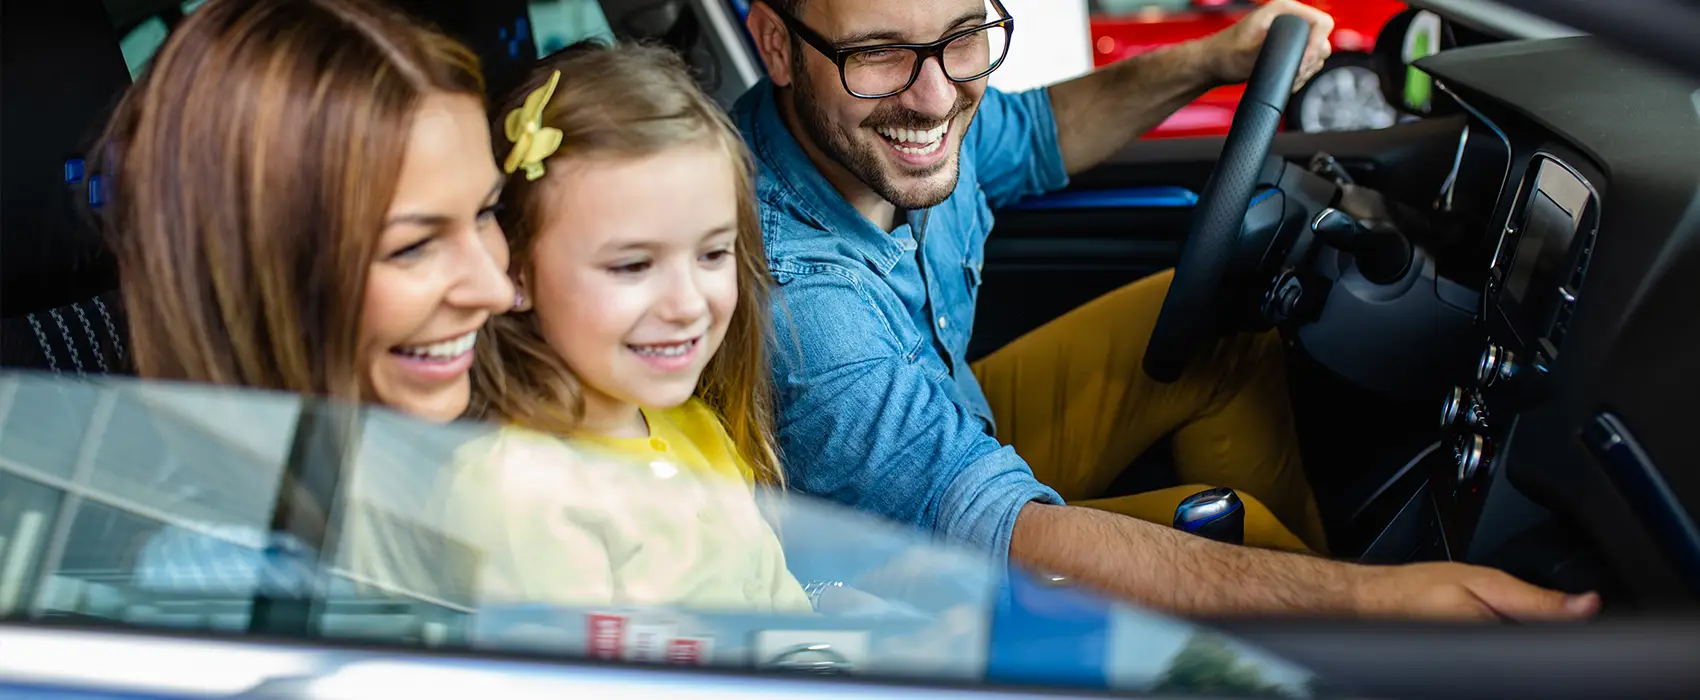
x=861 y=159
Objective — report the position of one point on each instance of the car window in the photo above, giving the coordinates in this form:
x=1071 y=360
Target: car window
x=561 y=23
x=707 y=34
x=182 y=507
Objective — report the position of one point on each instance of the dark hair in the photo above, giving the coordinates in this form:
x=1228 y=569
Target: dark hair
x=254 y=163
x=629 y=101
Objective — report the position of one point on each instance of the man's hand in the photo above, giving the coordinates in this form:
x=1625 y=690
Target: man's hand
x=1099 y=113
x=1463 y=592
x=1186 y=574
x=1231 y=53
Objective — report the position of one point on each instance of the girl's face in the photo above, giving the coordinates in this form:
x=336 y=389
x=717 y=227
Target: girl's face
x=634 y=279
x=441 y=265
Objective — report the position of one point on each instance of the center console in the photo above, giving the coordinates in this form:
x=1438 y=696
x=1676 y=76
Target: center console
x=1537 y=274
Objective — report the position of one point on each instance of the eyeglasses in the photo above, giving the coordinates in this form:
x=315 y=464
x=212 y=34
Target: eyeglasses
x=883 y=70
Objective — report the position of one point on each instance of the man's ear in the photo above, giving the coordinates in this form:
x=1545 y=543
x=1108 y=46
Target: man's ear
x=773 y=41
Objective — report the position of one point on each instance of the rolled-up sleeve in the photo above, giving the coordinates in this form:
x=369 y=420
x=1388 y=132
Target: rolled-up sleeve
x=866 y=423
x=1013 y=143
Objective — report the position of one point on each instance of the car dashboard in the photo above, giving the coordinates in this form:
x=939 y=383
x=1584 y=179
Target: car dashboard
x=1581 y=169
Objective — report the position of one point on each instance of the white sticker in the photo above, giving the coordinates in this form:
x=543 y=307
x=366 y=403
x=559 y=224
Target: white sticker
x=646 y=642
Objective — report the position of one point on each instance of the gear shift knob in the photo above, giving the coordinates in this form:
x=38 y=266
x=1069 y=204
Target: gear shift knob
x=1216 y=514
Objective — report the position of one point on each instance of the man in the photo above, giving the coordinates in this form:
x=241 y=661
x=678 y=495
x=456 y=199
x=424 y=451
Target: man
x=880 y=167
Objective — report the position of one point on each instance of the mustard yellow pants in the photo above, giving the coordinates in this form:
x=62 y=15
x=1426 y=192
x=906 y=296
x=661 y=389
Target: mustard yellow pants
x=1072 y=399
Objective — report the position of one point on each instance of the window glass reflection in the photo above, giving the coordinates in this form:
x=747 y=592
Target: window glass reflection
x=27 y=512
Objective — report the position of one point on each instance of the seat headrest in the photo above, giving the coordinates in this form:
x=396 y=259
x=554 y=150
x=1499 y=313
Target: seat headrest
x=499 y=31
x=62 y=71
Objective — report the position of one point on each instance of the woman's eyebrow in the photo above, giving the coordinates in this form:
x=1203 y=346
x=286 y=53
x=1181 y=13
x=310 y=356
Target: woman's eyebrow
x=423 y=220
x=428 y=220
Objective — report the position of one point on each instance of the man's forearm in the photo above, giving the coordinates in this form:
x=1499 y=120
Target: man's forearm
x=1174 y=571
x=1099 y=113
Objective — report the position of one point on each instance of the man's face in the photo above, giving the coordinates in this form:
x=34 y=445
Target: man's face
x=904 y=147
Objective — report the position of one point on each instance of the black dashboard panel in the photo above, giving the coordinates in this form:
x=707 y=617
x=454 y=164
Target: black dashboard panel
x=1615 y=341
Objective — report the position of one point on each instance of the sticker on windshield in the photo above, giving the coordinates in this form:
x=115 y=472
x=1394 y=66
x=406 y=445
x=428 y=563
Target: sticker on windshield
x=690 y=651
x=646 y=642
x=607 y=635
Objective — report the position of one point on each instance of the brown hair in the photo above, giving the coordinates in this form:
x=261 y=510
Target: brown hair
x=629 y=101
x=253 y=166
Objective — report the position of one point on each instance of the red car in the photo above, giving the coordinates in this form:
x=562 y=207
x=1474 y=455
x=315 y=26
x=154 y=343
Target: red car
x=1346 y=95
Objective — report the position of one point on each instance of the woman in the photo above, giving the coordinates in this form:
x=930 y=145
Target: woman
x=281 y=158
x=305 y=199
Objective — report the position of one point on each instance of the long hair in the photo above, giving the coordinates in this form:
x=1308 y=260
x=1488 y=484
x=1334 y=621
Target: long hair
x=253 y=165
x=629 y=101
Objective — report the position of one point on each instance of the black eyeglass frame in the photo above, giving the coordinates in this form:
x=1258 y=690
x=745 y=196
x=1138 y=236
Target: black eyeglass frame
x=935 y=49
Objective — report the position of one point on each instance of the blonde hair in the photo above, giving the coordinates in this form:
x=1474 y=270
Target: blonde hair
x=629 y=101
x=254 y=163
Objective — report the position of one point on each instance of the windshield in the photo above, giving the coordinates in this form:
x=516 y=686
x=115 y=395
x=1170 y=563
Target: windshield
x=184 y=507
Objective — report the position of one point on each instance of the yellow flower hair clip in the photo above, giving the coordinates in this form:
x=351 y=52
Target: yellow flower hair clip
x=533 y=142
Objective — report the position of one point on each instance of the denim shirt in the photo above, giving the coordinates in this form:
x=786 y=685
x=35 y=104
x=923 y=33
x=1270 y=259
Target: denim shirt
x=878 y=408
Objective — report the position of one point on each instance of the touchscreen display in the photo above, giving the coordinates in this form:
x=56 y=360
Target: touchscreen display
x=1541 y=252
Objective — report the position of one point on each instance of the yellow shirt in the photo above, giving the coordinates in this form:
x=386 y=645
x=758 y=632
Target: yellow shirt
x=556 y=523
x=689 y=435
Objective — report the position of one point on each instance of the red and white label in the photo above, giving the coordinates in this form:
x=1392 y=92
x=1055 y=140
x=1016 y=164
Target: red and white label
x=607 y=636
x=688 y=651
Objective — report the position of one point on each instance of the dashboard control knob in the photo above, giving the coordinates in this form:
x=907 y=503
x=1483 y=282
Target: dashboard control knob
x=1496 y=366
x=1452 y=407
x=1462 y=410
x=1473 y=453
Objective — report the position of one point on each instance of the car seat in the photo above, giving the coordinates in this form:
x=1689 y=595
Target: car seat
x=62 y=72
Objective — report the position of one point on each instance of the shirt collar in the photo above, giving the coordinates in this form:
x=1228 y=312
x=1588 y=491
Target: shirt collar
x=791 y=167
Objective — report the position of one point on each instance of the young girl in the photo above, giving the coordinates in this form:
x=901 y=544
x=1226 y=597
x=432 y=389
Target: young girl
x=640 y=319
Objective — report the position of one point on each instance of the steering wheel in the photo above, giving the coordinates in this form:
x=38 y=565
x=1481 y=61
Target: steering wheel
x=1188 y=319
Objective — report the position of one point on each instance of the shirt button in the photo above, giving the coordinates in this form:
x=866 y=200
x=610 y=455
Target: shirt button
x=658 y=444
x=943 y=323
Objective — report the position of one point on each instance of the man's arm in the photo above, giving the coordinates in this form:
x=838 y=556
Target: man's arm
x=1174 y=571
x=1099 y=113
x=867 y=420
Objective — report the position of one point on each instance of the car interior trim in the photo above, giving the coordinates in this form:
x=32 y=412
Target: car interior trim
x=191 y=666
x=1498 y=132
x=1120 y=198
x=1498 y=19
x=1633 y=471
x=729 y=34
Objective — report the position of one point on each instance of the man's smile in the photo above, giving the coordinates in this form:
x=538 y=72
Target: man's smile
x=917 y=147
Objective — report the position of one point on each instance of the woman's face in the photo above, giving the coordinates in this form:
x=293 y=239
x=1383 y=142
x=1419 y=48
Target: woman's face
x=441 y=265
